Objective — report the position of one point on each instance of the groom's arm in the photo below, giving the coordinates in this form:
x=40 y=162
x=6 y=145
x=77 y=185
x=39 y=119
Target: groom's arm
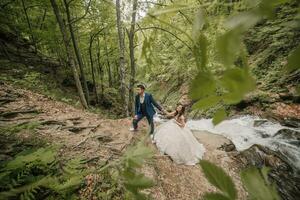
x=155 y=103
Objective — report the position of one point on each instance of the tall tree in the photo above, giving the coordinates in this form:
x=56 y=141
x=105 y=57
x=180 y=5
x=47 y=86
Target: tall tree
x=132 y=58
x=92 y=37
x=100 y=68
x=107 y=60
x=121 y=56
x=77 y=50
x=29 y=25
x=69 y=52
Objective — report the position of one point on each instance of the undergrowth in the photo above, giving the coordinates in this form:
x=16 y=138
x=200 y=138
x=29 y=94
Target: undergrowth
x=32 y=169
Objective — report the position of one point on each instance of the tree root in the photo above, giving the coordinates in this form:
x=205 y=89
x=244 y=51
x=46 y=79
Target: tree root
x=16 y=112
x=76 y=129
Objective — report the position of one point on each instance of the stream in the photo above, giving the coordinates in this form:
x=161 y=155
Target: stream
x=245 y=131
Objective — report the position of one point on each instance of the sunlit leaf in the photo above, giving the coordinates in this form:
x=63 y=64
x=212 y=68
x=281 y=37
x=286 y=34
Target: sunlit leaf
x=237 y=82
x=207 y=102
x=228 y=46
x=200 y=51
x=137 y=154
x=257 y=186
x=136 y=182
x=132 y=160
x=215 y=196
x=202 y=85
x=264 y=172
x=294 y=60
x=219 y=116
x=267 y=7
x=298 y=90
x=242 y=21
x=199 y=23
x=217 y=176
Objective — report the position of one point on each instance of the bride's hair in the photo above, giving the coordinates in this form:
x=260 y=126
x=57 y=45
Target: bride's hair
x=179 y=114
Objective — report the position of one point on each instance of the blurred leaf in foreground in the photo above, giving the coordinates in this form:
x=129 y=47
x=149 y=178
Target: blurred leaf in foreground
x=217 y=176
x=294 y=60
x=257 y=186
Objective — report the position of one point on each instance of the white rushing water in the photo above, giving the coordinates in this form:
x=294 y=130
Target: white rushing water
x=244 y=131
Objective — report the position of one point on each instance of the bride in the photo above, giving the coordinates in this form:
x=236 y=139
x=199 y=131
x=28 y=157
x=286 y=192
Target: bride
x=176 y=140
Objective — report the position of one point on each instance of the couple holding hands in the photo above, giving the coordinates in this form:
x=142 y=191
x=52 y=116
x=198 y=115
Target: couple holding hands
x=172 y=137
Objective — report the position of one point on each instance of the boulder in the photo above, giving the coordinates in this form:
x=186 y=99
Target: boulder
x=286 y=177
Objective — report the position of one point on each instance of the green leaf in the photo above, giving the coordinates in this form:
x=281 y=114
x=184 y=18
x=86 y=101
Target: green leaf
x=207 y=102
x=266 y=7
x=237 y=82
x=264 y=172
x=228 y=46
x=215 y=196
x=217 y=176
x=219 y=116
x=294 y=60
x=136 y=155
x=242 y=21
x=138 y=181
x=298 y=89
x=200 y=51
x=202 y=85
x=257 y=186
x=199 y=22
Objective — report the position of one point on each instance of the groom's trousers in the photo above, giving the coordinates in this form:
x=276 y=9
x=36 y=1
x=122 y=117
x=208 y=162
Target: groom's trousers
x=149 y=119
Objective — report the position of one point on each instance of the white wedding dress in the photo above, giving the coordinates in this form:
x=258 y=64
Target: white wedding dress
x=179 y=143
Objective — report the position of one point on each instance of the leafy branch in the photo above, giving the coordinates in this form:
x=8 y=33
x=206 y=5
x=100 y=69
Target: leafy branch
x=255 y=181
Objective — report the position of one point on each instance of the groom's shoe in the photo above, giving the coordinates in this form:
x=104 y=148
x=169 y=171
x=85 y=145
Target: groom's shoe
x=152 y=138
x=133 y=129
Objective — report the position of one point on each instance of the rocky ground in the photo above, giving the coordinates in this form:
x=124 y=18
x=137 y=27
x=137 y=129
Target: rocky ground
x=99 y=140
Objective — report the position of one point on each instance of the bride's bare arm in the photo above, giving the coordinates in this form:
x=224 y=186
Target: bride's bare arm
x=181 y=121
x=170 y=114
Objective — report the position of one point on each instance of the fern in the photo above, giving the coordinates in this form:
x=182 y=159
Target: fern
x=12 y=129
x=123 y=177
x=37 y=170
x=72 y=177
x=27 y=191
x=131 y=162
x=43 y=156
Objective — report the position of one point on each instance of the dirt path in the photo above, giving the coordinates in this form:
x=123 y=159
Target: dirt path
x=86 y=134
x=181 y=182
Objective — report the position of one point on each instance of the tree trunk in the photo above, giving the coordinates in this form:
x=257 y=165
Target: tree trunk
x=132 y=58
x=69 y=52
x=77 y=51
x=29 y=26
x=92 y=67
x=116 y=72
x=100 y=68
x=121 y=57
x=107 y=61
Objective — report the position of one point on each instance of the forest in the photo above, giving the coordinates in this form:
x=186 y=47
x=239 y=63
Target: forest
x=69 y=76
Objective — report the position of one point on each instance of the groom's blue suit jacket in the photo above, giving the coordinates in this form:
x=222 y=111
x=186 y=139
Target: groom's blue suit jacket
x=150 y=102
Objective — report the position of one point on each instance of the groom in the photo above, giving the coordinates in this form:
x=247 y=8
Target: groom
x=144 y=103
